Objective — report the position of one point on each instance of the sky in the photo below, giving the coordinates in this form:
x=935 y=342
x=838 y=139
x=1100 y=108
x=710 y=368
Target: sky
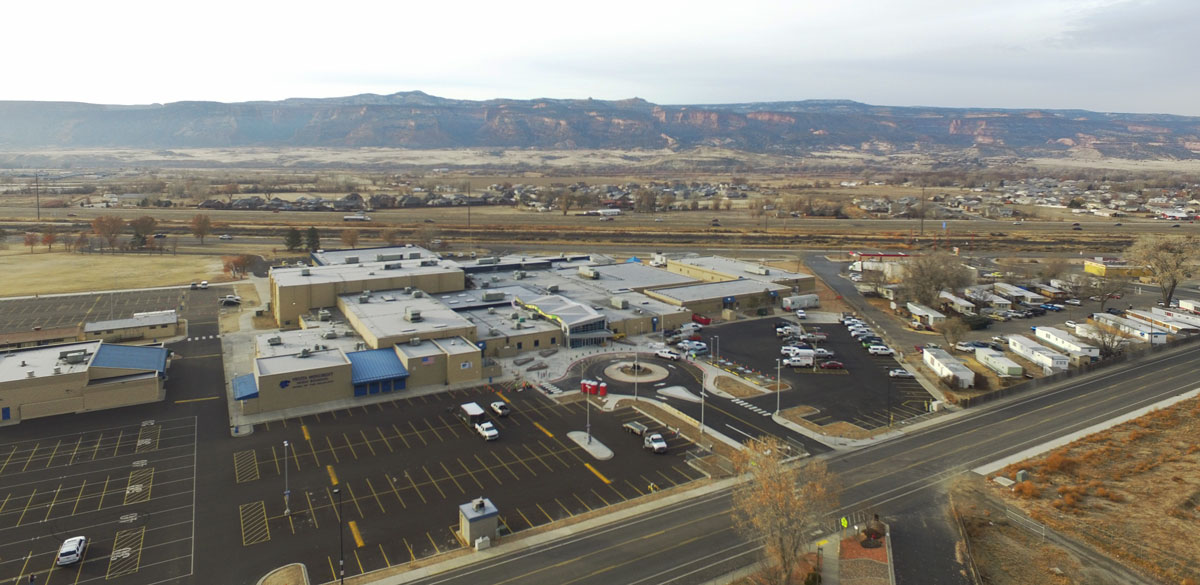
x=1103 y=55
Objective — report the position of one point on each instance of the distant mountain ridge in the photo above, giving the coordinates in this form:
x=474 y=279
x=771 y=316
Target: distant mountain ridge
x=420 y=121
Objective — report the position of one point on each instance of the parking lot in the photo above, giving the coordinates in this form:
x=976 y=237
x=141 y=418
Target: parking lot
x=129 y=489
x=73 y=310
x=402 y=468
x=861 y=394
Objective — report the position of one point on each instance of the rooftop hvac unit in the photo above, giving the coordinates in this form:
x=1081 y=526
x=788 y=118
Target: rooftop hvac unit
x=758 y=270
x=414 y=341
x=638 y=311
x=588 y=272
x=414 y=256
x=552 y=288
x=305 y=272
x=486 y=285
x=495 y=278
x=408 y=290
x=393 y=266
x=275 y=340
x=418 y=294
x=57 y=370
x=491 y=310
x=324 y=315
x=493 y=332
x=77 y=356
x=430 y=262
x=514 y=315
x=364 y=298
x=29 y=373
x=412 y=315
x=388 y=257
x=360 y=346
x=331 y=334
x=305 y=353
x=492 y=296
x=619 y=303
x=487 y=260
x=518 y=274
x=351 y=259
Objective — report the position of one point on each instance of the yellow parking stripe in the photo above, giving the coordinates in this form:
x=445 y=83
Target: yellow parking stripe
x=53 y=453
x=9 y=458
x=311 y=512
x=245 y=465
x=148 y=438
x=376 y=496
x=358 y=539
x=27 y=503
x=138 y=488
x=333 y=480
x=366 y=441
x=354 y=500
x=31 y=454
x=503 y=397
x=52 y=502
x=304 y=429
x=385 y=557
x=543 y=429
x=126 y=555
x=332 y=451
x=597 y=473
x=253 y=518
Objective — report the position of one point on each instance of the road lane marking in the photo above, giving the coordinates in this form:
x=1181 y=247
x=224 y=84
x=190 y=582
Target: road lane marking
x=597 y=473
x=206 y=398
x=274 y=459
x=543 y=429
x=304 y=429
x=354 y=500
x=253 y=518
x=333 y=479
x=358 y=539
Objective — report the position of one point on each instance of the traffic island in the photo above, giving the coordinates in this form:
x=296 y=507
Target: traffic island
x=591 y=444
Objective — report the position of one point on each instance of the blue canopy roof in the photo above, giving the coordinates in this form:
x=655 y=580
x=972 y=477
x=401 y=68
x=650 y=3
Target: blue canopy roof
x=633 y=259
x=130 y=357
x=244 y=387
x=374 y=365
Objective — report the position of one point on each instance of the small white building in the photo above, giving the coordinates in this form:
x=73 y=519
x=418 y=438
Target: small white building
x=997 y=362
x=1163 y=322
x=1135 y=329
x=1067 y=342
x=1189 y=305
x=947 y=366
x=1181 y=316
x=1050 y=360
x=1018 y=294
x=926 y=315
x=957 y=304
x=983 y=294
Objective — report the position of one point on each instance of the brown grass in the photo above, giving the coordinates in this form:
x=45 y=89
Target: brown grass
x=737 y=388
x=63 y=272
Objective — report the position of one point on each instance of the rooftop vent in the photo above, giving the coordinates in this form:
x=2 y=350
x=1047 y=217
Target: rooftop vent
x=412 y=315
x=414 y=341
x=274 y=340
x=331 y=334
x=305 y=272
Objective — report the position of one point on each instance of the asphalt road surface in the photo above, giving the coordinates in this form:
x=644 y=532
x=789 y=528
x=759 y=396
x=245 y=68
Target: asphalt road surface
x=693 y=540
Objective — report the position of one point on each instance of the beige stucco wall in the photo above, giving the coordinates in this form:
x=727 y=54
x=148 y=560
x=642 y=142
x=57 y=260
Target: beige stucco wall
x=313 y=386
x=131 y=333
x=123 y=393
x=289 y=302
x=425 y=374
x=69 y=393
x=513 y=344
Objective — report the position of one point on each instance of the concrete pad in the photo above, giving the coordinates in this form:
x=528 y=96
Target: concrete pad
x=595 y=448
x=679 y=392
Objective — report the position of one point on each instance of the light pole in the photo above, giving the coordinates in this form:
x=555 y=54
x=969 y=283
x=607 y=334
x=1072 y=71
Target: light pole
x=637 y=372
x=717 y=348
x=341 y=540
x=702 y=409
x=287 y=508
x=588 y=420
x=778 y=384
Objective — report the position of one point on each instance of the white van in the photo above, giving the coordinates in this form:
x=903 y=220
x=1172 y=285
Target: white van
x=71 y=550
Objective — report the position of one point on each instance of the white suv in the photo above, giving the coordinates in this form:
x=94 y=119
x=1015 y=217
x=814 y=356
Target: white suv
x=880 y=350
x=71 y=550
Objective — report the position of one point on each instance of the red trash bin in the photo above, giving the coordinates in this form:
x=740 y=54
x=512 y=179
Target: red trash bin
x=603 y=389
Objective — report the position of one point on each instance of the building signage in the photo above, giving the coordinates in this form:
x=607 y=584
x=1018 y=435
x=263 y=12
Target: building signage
x=304 y=381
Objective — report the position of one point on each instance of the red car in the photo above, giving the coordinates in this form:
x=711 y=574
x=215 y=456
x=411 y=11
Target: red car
x=832 y=365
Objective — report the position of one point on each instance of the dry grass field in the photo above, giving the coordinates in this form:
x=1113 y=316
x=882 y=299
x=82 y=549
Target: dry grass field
x=63 y=272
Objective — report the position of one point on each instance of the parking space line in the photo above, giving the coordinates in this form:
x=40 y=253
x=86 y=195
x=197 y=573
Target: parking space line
x=311 y=512
x=376 y=496
x=506 y=526
x=687 y=477
x=434 y=430
x=148 y=438
x=53 y=501
x=597 y=473
x=392 y=483
x=553 y=454
x=538 y=457
x=385 y=557
x=503 y=397
x=53 y=453
x=384 y=439
x=311 y=449
x=543 y=429
x=7 y=459
x=401 y=435
x=71 y=459
x=350 y=446
x=565 y=509
x=117 y=445
x=23 y=567
x=411 y=557
x=549 y=518
x=358 y=539
x=274 y=459
x=26 y=510
x=489 y=470
x=635 y=488
x=103 y=492
x=669 y=481
x=304 y=430
x=31 y=454
x=332 y=571
x=449 y=426
x=510 y=471
x=332 y=451
x=367 y=441
x=570 y=450
x=5 y=502
x=336 y=513
x=468 y=470
x=359 y=561
x=138 y=488
x=434 y=482
x=126 y=555
x=415 y=488
x=524 y=516
x=452 y=478
x=245 y=465
x=431 y=541
x=601 y=497
x=333 y=479
x=79 y=569
x=418 y=433
x=521 y=461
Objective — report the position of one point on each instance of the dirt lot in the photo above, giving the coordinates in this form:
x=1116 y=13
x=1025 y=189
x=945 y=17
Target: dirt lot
x=62 y=272
x=1132 y=492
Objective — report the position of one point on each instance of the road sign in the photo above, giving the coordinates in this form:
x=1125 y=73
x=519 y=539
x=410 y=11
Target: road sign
x=845 y=522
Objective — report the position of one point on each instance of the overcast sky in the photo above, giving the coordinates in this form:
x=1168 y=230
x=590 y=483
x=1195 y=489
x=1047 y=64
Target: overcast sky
x=1105 y=55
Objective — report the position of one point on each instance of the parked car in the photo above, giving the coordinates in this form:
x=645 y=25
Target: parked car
x=796 y=362
x=225 y=237
x=821 y=352
x=487 y=430
x=899 y=373
x=1113 y=311
x=654 y=443
x=667 y=354
x=800 y=314
x=880 y=350
x=1094 y=299
x=1077 y=228
x=831 y=365
x=71 y=551
x=869 y=341
x=500 y=408
x=1071 y=324
x=965 y=346
x=1074 y=302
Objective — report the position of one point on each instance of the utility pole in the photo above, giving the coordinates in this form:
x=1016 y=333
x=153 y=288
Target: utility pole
x=922 y=211
x=778 y=384
x=287 y=508
x=341 y=540
x=588 y=424
x=702 y=409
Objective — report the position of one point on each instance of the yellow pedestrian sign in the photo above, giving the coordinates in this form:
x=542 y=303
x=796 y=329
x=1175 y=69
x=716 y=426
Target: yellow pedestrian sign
x=845 y=522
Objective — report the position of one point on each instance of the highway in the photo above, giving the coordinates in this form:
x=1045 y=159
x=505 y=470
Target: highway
x=693 y=541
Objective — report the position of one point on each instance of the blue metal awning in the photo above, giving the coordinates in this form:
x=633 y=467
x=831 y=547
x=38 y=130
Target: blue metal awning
x=130 y=357
x=374 y=365
x=244 y=387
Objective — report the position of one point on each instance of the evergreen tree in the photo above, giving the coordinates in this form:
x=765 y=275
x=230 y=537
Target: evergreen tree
x=312 y=239
x=292 y=239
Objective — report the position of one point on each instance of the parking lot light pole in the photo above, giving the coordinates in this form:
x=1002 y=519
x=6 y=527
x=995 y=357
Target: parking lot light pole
x=341 y=541
x=778 y=384
x=701 y=409
x=637 y=369
x=588 y=424
x=287 y=508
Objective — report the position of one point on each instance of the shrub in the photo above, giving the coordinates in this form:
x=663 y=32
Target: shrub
x=1026 y=490
x=1058 y=462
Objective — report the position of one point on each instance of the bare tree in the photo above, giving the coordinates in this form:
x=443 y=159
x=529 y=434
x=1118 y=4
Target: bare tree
x=108 y=227
x=780 y=503
x=31 y=240
x=81 y=241
x=1054 y=268
x=143 y=226
x=392 y=237
x=49 y=237
x=237 y=266
x=953 y=330
x=1169 y=260
x=350 y=237
x=201 y=226
x=1109 y=341
x=1106 y=288
x=925 y=277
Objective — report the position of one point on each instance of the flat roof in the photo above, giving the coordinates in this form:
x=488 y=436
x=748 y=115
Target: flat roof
x=504 y=325
x=360 y=273
x=384 y=317
x=951 y=363
x=285 y=364
x=456 y=346
x=167 y=317
x=425 y=348
x=330 y=257
x=629 y=276
x=717 y=290
x=15 y=364
x=292 y=342
x=594 y=293
x=735 y=268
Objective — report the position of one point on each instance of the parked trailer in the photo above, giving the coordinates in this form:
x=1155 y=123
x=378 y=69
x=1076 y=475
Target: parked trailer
x=356 y=217
x=801 y=302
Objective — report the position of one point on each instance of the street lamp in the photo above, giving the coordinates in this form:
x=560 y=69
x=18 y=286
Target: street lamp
x=717 y=348
x=778 y=384
x=341 y=540
x=637 y=372
x=588 y=424
x=287 y=508
x=702 y=409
